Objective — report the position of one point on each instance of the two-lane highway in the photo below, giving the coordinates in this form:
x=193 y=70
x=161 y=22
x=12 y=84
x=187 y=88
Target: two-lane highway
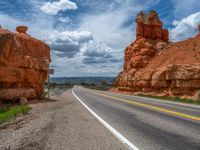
x=147 y=123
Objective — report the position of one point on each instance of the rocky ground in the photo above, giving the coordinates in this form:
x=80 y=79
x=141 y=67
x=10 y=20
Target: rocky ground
x=59 y=124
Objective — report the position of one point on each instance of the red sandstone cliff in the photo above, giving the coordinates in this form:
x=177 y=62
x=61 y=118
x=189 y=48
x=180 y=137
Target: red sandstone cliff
x=155 y=66
x=24 y=63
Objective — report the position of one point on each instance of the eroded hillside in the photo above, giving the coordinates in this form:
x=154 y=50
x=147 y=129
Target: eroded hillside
x=158 y=67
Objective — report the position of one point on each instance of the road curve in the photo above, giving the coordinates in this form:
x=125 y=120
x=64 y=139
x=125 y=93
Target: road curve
x=147 y=123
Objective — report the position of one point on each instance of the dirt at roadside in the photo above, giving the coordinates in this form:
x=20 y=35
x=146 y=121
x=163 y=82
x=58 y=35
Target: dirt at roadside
x=60 y=124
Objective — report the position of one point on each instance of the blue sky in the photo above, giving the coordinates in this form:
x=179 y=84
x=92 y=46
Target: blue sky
x=88 y=37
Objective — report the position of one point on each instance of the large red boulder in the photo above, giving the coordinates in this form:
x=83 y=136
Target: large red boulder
x=154 y=66
x=24 y=63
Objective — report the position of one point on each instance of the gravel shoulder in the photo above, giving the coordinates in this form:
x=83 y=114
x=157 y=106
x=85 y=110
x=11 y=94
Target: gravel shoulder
x=60 y=124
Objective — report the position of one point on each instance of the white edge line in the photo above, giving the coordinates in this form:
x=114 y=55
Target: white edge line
x=109 y=127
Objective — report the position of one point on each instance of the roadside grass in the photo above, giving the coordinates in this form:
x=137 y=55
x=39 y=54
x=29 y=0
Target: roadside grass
x=174 y=99
x=7 y=113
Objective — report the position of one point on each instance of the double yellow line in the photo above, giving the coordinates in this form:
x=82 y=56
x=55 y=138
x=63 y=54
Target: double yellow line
x=149 y=106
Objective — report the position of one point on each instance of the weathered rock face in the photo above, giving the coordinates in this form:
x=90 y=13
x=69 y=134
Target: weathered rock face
x=22 y=29
x=154 y=66
x=150 y=26
x=24 y=63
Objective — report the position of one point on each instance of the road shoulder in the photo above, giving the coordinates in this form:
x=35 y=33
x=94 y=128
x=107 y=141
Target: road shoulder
x=61 y=124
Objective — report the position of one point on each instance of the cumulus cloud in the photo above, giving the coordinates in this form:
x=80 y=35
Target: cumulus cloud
x=98 y=53
x=62 y=5
x=185 y=28
x=95 y=49
x=68 y=43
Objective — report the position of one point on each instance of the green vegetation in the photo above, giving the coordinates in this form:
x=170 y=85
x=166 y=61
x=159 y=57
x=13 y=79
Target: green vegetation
x=174 y=99
x=103 y=86
x=59 y=88
x=60 y=85
x=7 y=113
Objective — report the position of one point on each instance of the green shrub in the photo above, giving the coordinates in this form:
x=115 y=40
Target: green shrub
x=8 y=113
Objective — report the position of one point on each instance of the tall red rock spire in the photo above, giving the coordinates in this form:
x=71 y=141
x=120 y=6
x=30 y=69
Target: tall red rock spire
x=154 y=66
x=150 y=26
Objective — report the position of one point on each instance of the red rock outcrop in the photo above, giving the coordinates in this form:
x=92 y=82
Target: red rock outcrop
x=150 y=26
x=22 y=29
x=155 y=66
x=24 y=63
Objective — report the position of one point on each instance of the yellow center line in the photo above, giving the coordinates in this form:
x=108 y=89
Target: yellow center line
x=148 y=106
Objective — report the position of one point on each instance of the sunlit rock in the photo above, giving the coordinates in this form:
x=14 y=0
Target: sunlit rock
x=155 y=66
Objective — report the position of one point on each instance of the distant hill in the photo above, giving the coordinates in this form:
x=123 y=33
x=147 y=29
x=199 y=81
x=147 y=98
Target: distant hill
x=79 y=80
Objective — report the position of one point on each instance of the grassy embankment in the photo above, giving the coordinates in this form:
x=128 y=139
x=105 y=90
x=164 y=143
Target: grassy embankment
x=174 y=99
x=7 y=113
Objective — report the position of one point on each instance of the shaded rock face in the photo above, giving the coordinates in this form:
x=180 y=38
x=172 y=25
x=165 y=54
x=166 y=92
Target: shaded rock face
x=154 y=66
x=24 y=63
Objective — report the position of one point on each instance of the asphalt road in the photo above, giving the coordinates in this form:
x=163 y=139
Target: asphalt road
x=147 y=123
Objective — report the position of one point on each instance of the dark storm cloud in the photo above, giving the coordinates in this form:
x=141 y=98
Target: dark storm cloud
x=65 y=49
x=103 y=54
x=94 y=60
x=90 y=60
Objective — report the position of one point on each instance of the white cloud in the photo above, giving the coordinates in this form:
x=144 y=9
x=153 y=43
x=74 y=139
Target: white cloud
x=55 y=7
x=185 y=28
x=96 y=53
x=64 y=19
x=96 y=49
x=67 y=43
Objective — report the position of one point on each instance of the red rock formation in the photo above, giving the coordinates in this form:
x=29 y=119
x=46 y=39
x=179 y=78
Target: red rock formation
x=154 y=66
x=150 y=26
x=22 y=29
x=24 y=63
